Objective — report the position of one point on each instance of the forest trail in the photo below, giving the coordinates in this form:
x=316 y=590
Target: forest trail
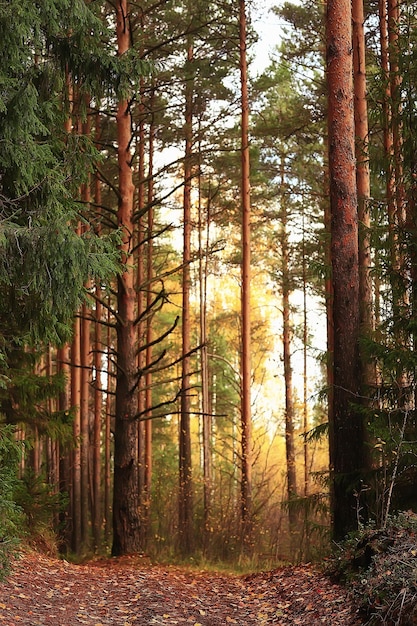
x=131 y=592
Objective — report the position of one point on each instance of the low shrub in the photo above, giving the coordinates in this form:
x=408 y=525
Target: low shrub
x=379 y=565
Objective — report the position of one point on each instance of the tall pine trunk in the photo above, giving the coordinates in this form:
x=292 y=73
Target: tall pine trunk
x=346 y=426
x=126 y=517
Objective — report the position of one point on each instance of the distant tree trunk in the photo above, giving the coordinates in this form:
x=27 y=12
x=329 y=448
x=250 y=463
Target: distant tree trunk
x=396 y=124
x=305 y=369
x=389 y=13
x=203 y=245
x=328 y=289
x=76 y=460
x=185 y=519
x=97 y=513
x=85 y=426
x=346 y=427
x=140 y=278
x=85 y=355
x=149 y=333
x=364 y=192
x=126 y=517
x=52 y=445
x=64 y=403
x=387 y=128
x=246 y=417
x=362 y=176
x=287 y=338
x=109 y=409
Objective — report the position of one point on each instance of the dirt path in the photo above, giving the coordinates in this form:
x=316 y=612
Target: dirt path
x=129 y=592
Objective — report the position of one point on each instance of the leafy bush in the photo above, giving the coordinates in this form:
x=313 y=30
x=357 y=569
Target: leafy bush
x=380 y=567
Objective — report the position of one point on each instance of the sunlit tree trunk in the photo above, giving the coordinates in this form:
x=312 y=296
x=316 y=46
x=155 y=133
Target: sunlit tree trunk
x=246 y=417
x=287 y=340
x=305 y=367
x=346 y=427
x=126 y=516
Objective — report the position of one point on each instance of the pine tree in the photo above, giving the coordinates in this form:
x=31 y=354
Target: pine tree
x=346 y=428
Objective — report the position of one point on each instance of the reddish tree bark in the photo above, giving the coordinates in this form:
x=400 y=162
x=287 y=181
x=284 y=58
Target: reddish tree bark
x=126 y=518
x=362 y=172
x=97 y=500
x=346 y=426
x=76 y=456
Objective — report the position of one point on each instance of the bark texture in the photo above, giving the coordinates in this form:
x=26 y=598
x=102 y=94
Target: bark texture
x=346 y=426
x=126 y=518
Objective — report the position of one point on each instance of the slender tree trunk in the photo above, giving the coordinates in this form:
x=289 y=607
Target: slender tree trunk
x=362 y=176
x=346 y=428
x=246 y=418
x=393 y=140
x=205 y=392
x=85 y=427
x=126 y=517
x=76 y=460
x=387 y=127
x=185 y=478
x=396 y=124
x=64 y=403
x=52 y=444
x=364 y=192
x=109 y=408
x=149 y=333
x=85 y=355
x=305 y=369
x=97 y=513
x=287 y=338
x=141 y=300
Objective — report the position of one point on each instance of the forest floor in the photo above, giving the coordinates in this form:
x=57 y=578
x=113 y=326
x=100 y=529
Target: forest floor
x=131 y=592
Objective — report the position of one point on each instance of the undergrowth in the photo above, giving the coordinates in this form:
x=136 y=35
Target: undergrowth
x=379 y=566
